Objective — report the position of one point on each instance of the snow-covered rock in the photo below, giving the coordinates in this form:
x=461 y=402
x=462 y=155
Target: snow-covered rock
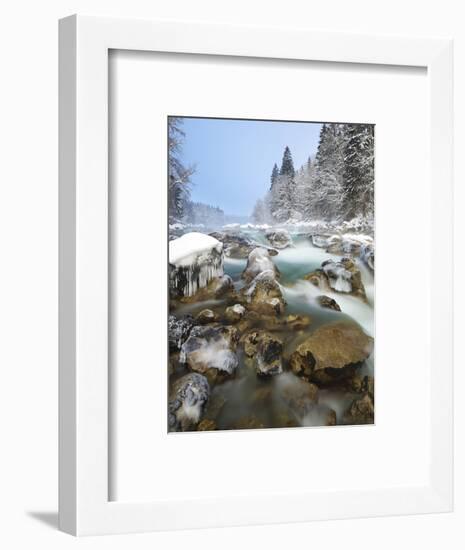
x=234 y=313
x=187 y=401
x=259 y=260
x=367 y=255
x=343 y=276
x=320 y=241
x=234 y=245
x=265 y=350
x=206 y=316
x=338 y=276
x=263 y=294
x=211 y=347
x=178 y=330
x=279 y=238
x=195 y=259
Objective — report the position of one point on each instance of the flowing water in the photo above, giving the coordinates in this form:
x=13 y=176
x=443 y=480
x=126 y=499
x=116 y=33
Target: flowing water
x=248 y=401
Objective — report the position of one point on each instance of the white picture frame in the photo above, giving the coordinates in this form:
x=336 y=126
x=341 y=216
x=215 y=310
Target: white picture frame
x=84 y=505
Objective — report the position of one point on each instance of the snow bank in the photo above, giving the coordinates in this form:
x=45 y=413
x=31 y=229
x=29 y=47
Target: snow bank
x=232 y=226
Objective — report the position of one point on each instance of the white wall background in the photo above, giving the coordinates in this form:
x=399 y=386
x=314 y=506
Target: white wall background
x=28 y=272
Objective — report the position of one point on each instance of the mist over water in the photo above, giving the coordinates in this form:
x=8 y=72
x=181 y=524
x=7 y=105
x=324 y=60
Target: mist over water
x=250 y=401
x=300 y=295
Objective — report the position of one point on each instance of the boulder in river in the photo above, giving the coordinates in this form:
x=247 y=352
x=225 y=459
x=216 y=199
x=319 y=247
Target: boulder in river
x=178 y=330
x=234 y=245
x=356 y=246
x=279 y=238
x=328 y=303
x=360 y=411
x=211 y=347
x=343 y=276
x=264 y=294
x=320 y=241
x=234 y=313
x=206 y=425
x=291 y=322
x=258 y=261
x=332 y=353
x=367 y=255
x=206 y=316
x=187 y=400
x=266 y=350
x=368 y=386
x=219 y=288
x=195 y=259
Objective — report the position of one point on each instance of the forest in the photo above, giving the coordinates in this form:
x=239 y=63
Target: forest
x=336 y=185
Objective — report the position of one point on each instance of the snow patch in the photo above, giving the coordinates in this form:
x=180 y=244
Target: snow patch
x=186 y=249
x=195 y=259
x=214 y=353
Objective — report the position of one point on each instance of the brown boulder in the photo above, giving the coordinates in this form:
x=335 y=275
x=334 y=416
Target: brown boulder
x=360 y=411
x=248 y=423
x=234 y=313
x=331 y=352
x=206 y=316
x=259 y=261
x=266 y=351
x=206 y=425
x=343 y=276
x=328 y=303
x=264 y=295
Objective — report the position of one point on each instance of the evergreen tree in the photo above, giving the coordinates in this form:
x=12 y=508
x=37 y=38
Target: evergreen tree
x=338 y=184
x=303 y=188
x=358 y=174
x=287 y=165
x=178 y=174
x=329 y=163
x=274 y=174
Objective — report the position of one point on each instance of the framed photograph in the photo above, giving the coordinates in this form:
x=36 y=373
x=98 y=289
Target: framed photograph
x=271 y=280
x=230 y=351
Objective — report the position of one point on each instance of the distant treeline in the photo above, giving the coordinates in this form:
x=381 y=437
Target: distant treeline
x=337 y=185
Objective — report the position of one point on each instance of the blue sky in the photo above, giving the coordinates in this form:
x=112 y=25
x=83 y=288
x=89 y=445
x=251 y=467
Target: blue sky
x=234 y=158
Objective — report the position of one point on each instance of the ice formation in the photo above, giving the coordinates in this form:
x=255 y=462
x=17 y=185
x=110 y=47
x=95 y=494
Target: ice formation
x=339 y=278
x=195 y=259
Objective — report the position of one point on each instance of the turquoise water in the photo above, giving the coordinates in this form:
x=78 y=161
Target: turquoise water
x=248 y=396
